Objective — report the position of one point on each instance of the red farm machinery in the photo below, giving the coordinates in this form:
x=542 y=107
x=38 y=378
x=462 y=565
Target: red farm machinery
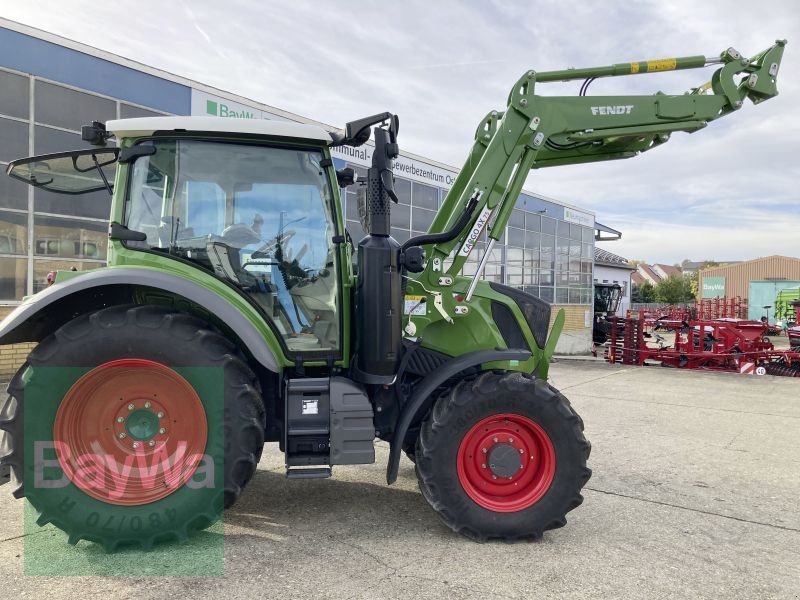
x=727 y=344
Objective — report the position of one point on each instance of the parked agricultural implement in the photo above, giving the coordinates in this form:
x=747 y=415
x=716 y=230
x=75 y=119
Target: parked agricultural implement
x=707 y=308
x=727 y=344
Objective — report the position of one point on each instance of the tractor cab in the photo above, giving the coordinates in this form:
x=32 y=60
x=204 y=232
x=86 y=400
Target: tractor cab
x=253 y=203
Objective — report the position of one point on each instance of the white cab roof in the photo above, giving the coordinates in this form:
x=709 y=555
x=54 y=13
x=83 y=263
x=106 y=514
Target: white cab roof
x=148 y=125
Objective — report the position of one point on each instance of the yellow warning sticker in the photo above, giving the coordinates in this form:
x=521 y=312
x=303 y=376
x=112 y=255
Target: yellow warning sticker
x=663 y=64
x=634 y=68
x=414 y=305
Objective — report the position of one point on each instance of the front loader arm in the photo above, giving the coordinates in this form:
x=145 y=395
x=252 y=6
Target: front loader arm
x=543 y=131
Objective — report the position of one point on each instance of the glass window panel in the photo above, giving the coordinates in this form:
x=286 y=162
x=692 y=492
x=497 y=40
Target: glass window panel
x=533 y=222
x=575 y=257
x=546 y=276
x=402 y=187
x=96 y=205
x=532 y=239
x=586 y=266
x=575 y=231
x=41 y=267
x=355 y=231
x=586 y=296
x=401 y=235
x=516 y=237
x=14 y=136
x=547 y=252
x=127 y=111
x=14 y=93
x=587 y=235
x=13 y=278
x=47 y=140
x=401 y=216
x=13 y=232
x=575 y=295
x=517 y=219
x=586 y=280
x=531 y=289
x=548 y=225
x=563 y=229
x=13 y=193
x=63 y=107
x=587 y=251
x=351 y=207
x=562 y=296
x=546 y=293
x=69 y=238
x=426 y=196
x=562 y=245
x=421 y=219
x=531 y=259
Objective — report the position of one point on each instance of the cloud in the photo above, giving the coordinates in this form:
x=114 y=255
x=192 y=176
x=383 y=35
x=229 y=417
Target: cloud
x=726 y=192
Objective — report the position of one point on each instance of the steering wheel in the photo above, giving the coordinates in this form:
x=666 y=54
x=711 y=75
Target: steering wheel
x=270 y=245
x=239 y=235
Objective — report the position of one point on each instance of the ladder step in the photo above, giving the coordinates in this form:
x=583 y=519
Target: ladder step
x=316 y=473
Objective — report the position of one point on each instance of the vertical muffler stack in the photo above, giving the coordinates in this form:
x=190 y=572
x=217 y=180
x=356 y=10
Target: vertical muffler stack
x=379 y=291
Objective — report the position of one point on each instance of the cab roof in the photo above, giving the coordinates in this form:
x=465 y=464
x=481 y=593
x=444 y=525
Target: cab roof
x=144 y=126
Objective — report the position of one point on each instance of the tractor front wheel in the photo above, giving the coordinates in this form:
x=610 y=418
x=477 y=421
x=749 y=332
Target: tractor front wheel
x=133 y=424
x=502 y=456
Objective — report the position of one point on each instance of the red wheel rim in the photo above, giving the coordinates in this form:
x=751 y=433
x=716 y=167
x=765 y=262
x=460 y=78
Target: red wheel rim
x=506 y=463
x=130 y=432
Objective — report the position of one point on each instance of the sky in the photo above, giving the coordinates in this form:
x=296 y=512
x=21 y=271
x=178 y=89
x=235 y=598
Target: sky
x=728 y=192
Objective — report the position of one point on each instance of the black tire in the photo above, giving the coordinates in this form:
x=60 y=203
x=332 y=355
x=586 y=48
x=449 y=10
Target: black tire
x=178 y=341
x=455 y=414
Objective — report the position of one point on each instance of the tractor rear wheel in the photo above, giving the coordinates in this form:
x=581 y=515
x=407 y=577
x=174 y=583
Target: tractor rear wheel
x=133 y=424
x=502 y=456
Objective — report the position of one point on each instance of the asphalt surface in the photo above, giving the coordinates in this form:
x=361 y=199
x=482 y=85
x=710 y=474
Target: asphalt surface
x=694 y=495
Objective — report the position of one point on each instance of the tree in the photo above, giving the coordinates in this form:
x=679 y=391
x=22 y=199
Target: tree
x=674 y=289
x=643 y=293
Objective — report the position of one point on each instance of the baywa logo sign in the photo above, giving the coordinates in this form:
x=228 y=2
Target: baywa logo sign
x=220 y=109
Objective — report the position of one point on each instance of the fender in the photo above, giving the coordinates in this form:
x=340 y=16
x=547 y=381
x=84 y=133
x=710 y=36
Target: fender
x=417 y=402
x=36 y=318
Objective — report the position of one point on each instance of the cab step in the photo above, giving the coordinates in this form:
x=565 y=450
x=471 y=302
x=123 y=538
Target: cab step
x=316 y=473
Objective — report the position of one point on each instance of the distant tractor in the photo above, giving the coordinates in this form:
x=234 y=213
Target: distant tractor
x=607 y=297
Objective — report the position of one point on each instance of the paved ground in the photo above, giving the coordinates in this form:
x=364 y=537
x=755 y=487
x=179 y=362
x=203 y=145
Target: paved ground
x=694 y=495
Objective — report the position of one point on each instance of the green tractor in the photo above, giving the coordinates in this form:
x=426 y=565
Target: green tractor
x=231 y=314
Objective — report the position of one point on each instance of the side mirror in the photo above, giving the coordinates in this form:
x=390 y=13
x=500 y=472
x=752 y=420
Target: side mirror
x=95 y=133
x=346 y=177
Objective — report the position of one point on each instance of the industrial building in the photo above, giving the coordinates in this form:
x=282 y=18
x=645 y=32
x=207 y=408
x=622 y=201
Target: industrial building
x=758 y=281
x=50 y=86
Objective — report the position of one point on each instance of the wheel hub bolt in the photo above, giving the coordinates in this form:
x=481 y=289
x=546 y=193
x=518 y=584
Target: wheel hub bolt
x=161 y=415
x=122 y=436
x=495 y=440
x=131 y=406
x=510 y=440
x=120 y=419
x=162 y=430
x=484 y=450
x=147 y=405
x=483 y=466
x=151 y=443
x=494 y=476
x=521 y=451
x=135 y=444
